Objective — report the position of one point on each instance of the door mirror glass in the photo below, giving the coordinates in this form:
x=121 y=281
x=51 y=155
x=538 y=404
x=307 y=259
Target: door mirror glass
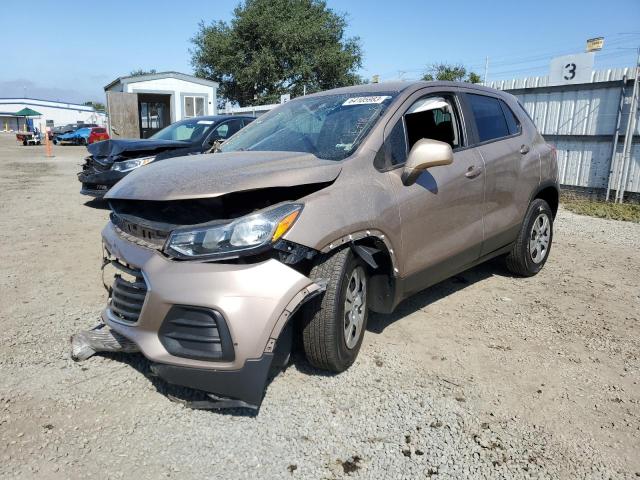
x=425 y=153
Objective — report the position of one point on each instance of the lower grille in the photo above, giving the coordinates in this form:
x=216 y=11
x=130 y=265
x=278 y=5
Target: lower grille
x=127 y=295
x=196 y=332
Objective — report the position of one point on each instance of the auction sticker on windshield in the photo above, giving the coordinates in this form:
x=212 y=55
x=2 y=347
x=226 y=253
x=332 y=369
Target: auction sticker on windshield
x=365 y=100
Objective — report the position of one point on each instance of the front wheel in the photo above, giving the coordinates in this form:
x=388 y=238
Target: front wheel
x=334 y=323
x=531 y=249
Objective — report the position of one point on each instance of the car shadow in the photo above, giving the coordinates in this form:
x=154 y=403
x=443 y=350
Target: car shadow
x=378 y=322
x=188 y=397
x=97 y=203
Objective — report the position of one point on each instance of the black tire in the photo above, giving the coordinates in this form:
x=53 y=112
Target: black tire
x=24 y=143
x=521 y=259
x=323 y=332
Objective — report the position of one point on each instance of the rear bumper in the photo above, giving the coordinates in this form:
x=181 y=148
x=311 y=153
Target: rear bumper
x=254 y=303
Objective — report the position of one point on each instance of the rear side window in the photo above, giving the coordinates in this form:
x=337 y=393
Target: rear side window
x=489 y=116
x=512 y=121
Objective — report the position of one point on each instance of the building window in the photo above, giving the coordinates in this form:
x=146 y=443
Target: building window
x=193 y=106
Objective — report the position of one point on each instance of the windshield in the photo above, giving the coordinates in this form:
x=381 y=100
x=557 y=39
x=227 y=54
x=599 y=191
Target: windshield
x=330 y=126
x=189 y=130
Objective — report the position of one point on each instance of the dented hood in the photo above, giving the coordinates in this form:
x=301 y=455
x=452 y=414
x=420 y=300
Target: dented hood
x=109 y=151
x=212 y=175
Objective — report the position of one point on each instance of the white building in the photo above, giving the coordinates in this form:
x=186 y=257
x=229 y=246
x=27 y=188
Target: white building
x=140 y=105
x=54 y=114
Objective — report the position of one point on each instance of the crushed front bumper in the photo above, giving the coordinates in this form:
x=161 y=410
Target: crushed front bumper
x=97 y=179
x=209 y=326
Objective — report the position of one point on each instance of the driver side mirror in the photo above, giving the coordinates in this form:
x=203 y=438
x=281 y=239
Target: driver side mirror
x=424 y=154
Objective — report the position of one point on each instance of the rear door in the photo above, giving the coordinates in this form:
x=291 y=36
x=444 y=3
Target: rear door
x=123 y=115
x=512 y=167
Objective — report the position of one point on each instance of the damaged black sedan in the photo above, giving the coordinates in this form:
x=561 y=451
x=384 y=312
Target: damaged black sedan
x=111 y=160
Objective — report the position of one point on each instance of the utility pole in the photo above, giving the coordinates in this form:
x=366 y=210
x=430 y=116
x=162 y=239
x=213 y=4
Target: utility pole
x=486 y=71
x=628 y=136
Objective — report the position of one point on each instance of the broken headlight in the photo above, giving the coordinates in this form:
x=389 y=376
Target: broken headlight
x=248 y=234
x=129 y=165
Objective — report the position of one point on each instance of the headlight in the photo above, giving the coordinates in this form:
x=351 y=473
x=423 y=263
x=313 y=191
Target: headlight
x=128 y=165
x=248 y=234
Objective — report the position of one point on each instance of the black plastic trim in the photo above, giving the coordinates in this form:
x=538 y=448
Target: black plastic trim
x=196 y=332
x=246 y=384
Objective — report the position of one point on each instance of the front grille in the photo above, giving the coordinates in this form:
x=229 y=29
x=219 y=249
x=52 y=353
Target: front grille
x=149 y=235
x=91 y=165
x=127 y=294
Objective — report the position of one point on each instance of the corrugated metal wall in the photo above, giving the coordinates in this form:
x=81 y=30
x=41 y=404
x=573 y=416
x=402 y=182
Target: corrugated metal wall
x=581 y=121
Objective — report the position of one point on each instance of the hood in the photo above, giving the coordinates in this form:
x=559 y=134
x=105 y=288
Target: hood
x=109 y=151
x=213 y=175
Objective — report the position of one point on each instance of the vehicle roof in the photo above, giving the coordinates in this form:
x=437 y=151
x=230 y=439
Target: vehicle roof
x=398 y=87
x=218 y=118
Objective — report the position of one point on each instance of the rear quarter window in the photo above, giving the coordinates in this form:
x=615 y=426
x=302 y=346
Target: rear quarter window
x=512 y=121
x=489 y=117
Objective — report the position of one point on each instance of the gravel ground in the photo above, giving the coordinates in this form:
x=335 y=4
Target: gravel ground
x=484 y=375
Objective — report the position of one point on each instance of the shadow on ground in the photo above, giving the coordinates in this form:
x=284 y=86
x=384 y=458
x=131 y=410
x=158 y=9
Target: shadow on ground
x=378 y=322
x=97 y=203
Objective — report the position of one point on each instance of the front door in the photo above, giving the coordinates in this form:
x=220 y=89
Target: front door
x=442 y=225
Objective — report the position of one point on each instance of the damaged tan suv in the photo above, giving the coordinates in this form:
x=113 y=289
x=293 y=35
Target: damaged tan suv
x=326 y=208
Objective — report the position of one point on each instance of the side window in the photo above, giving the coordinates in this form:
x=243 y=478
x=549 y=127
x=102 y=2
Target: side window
x=222 y=131
x=489 y=117
x=433 y=117
x=512 y=121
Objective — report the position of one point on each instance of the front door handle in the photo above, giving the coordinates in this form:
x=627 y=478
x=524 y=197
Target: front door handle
x=473 y=171
x=524 y=149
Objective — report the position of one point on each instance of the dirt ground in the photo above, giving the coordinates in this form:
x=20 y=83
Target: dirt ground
x=547 y=367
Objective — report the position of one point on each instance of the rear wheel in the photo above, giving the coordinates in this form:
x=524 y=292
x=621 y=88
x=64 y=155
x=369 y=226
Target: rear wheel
x=334 y=323
x=531 y=249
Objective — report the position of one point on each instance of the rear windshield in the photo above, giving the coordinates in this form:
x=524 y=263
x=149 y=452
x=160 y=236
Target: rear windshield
x=330 y=127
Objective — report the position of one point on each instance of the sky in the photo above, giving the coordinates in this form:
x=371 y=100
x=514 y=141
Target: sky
x=72 y=51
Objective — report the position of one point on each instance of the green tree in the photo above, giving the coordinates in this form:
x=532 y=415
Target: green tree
x=273 y=47
x=140 y=71
x=96 y=105
x=452 y=73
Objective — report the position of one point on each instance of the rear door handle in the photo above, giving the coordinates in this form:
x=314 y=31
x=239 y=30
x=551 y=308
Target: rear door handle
x=473 y=171
x=524 y=149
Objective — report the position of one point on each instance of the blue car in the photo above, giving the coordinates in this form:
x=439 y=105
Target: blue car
x=78 y=137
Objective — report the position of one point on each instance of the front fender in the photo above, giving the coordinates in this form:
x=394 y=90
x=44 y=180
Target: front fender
x=347 y=211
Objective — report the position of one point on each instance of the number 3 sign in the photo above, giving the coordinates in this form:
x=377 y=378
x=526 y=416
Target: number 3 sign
x=571 y=69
